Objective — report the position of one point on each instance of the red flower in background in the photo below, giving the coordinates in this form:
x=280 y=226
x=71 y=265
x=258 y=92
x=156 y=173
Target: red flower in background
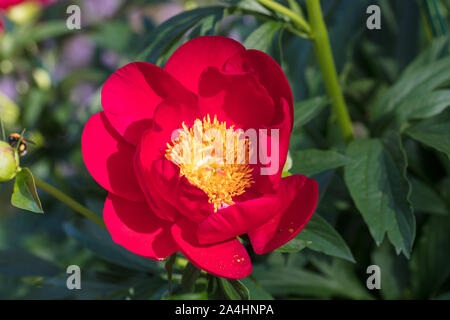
x=158 y=206
x=6 y=4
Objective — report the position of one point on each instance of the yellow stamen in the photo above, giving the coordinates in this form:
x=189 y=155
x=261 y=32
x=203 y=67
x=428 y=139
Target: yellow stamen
x=214 y=158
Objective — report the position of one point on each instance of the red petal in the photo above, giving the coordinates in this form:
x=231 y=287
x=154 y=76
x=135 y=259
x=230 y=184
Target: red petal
x=109 y=159
x=236 y=98
x=135 y=227
x=286 y=225
x=131 y=95
x=226 y=259
x=266 y=181
x=159 y=176
x=188 y=62
x=272 y=77
x=237 y=219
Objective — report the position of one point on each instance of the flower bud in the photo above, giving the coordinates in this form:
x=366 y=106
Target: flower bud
x=9 y=162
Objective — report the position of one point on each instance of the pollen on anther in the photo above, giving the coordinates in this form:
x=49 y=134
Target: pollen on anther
x=209 y=155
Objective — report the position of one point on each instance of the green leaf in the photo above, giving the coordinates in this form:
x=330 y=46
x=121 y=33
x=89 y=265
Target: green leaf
x=257 y=292
x=162 y=38
x=336 y=280
x=25 y=194
x=425 y=199
x=99 y=241
x=419 y=81
x=49 y=30
x=190 y=275
x=262 y=37
x=319 y=235
x=435 y=51
x=430 y=262
x=234 y=289
x=295 y=245
x=305 y=111
x=422 y=106
x=23 y=264
x=251 y=6
x=394 y=271
x=189 y=296
x=377 y=183
x=312 y=161
x=433 y=132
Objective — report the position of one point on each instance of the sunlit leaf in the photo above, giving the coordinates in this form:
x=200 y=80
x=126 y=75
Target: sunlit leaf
x=25 y=195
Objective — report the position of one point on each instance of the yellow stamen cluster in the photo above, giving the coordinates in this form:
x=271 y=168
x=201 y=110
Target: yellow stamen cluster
x=214 y=158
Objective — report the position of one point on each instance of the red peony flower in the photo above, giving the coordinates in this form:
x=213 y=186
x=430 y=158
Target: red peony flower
x=163 y=198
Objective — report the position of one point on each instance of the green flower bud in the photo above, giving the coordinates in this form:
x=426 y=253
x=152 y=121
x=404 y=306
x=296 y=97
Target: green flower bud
x=9 y=162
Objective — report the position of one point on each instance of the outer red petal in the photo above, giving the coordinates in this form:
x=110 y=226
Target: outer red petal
x=109 y=159
x=286 y=225
x=131 y=95
x=135 y=227
x=237 y=219
x=272 y=77
x=226 y=259
x=188 y=62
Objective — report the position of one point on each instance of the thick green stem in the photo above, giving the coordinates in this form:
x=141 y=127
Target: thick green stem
x=69 y=201
x=325 y=57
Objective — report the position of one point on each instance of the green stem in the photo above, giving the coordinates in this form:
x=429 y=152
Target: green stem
x=325 y=57
x=295 y=18
x=169 y=268
x=61 y=196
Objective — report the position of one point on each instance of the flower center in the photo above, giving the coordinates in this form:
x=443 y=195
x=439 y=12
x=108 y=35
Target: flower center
x=213 y=158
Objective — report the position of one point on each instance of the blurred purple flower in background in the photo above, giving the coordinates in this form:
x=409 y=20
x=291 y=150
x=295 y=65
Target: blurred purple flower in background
x=110 y=59
x=96 y=10
x=82 y=94
x=77 y=52
x=8 y=87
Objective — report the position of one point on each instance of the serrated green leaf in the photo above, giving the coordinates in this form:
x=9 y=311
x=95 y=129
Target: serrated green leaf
x=434 y=132
x=234 y=289
x=262 y=37
x=25 y=195
x=312 y=161
x=380 y=191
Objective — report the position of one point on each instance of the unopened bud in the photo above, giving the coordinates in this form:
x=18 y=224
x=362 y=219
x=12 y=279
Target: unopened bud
x=9 y=162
